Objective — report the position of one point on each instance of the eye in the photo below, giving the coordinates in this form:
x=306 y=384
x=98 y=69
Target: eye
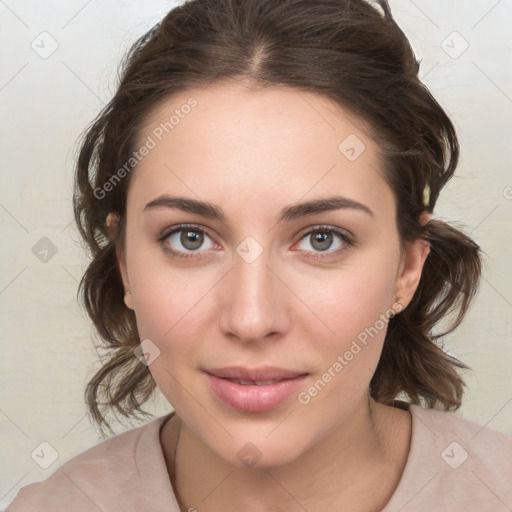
x=185 y=240
x=190 y=241
x=324 y=239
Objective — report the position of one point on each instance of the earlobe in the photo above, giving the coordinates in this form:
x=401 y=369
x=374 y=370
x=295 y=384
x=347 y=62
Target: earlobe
x=121 y=261
x=112 y=224
x=128 y=300
x=413 y=262
x=412 y=265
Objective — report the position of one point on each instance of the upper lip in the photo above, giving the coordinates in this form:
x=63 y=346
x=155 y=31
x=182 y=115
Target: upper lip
x=254 y=374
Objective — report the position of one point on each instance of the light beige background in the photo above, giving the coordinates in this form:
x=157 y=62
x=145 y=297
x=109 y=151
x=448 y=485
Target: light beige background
x=46 y=350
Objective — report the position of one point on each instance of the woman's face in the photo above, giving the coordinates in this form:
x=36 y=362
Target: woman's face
x=265 y=277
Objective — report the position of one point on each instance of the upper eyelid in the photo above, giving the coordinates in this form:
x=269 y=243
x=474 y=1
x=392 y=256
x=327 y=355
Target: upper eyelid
x=325 y=227
x=182 y=227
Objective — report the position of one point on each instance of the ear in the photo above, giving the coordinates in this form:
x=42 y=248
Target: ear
x=121 y=261
x=112 y=227
x=411 y=267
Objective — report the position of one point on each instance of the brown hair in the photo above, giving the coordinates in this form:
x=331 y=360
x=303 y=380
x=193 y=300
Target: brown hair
x=346 y=50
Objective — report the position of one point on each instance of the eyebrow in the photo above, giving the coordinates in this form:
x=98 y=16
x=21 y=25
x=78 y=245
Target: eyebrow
x=288 y=213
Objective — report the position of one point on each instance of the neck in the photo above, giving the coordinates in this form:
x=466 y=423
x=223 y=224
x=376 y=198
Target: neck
x=358 y=464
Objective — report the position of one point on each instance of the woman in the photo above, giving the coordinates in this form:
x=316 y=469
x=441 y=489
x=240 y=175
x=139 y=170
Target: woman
x=258 y=201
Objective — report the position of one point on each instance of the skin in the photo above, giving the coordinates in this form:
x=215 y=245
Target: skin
x=253 y=152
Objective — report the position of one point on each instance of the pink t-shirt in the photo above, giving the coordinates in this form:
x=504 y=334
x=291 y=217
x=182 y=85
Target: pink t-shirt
x=454 y=465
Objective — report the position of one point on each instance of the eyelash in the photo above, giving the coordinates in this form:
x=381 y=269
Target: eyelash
x=196 y=254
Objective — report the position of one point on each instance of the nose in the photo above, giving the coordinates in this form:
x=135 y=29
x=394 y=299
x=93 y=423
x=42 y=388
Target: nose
x=254 y=303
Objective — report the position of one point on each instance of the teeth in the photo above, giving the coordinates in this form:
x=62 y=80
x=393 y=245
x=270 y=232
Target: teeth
x=265 y=382
x=255 y=383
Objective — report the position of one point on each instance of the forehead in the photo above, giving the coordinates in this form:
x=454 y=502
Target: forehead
x=268 y=145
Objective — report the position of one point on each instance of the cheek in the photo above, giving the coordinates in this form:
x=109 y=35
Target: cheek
x=170 y=308
x=164 y=294
x=174 y=309
x=350 y=300
x=361 y=306
x=354 y=306
x=349 y=357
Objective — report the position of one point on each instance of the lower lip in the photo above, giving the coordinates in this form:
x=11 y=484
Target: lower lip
x=254 y=398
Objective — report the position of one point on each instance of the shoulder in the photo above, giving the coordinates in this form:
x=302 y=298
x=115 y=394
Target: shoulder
x=447 y=422
x=454 y=464
x=111 y=475
x=466 y=440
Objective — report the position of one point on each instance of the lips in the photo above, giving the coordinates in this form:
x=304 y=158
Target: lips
x=254 y=390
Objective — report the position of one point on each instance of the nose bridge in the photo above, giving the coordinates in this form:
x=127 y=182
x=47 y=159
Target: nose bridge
x=253 y=305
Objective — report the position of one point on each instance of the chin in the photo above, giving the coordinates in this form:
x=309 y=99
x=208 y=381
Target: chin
x=258 y=452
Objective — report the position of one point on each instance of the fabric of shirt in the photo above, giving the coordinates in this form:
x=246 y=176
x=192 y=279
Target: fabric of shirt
x=453 y=465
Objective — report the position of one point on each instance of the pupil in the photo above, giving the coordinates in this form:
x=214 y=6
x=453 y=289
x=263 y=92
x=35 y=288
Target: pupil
x=191 y=239
x=322 y=240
